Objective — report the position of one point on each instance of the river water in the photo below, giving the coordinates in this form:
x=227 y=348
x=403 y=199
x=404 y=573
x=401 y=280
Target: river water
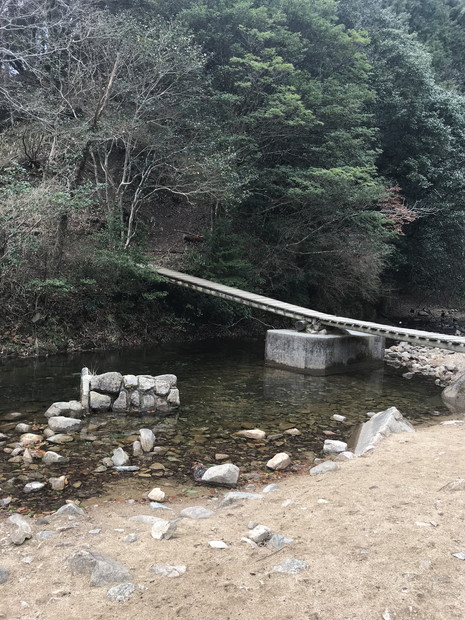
x=224 y=387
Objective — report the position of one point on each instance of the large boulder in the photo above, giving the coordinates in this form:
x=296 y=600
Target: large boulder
x=109 y=382
x=60 y=424
x=453 y=396
x=378 y=427
x=70 y=409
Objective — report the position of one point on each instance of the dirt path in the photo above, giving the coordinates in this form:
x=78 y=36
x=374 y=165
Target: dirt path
x=379 y=546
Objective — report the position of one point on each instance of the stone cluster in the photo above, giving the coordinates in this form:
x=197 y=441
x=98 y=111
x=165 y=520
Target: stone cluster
x=112 y=391
x=423 y=361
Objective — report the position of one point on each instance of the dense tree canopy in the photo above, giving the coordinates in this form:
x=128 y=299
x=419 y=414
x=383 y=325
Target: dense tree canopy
x=326 y=138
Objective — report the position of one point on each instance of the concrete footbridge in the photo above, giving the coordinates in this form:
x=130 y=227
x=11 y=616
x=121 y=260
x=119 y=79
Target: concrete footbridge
x=354 y=345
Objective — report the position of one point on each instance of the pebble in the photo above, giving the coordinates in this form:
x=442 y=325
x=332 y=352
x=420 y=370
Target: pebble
x=235 y=496
x=291 y=566
x=44 y=534
x=130 y=538
x=339 y=418
x=331 y=446
x=57 y=484
x=22 y=529
x=29 y=439
x=158 y=506
x=60 y=438
x=137 y=449
x=123 y=468
x=259 y=534
x=460 y=555
x=32 y=487
x=50 y=458
x=69 y=509
x=279 y=461
x=278 y=541
x=122 y=592
x=147 y=439
x=292 y=431
x=96 y=531
x=119 y=458
x=148 y=519
x=221 y=457
x=27 y=559
x=218 y=544
x=251 y=543
x=156 y=495
x=323 y=468
x=168 y=571
x=227 y=474
x=196 y=512
x=102 y=568
x=22 y=428
x=270 y=487
x=3 y=575
x=252 y=433
x=4 y=502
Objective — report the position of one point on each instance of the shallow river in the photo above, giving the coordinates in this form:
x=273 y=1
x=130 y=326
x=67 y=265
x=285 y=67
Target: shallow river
x=224 y=387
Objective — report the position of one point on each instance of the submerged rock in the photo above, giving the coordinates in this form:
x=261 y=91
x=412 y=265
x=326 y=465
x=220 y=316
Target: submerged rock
x=227 y=474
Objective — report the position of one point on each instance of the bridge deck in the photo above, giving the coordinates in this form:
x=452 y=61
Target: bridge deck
x=422 y=338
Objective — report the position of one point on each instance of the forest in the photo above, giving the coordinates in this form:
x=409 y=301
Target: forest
x=321 y=142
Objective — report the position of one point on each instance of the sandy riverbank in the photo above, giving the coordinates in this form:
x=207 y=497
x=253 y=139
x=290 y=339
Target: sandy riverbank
x=381 y=543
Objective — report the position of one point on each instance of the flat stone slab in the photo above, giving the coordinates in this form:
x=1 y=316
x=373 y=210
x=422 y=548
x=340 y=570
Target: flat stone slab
x=378 y=427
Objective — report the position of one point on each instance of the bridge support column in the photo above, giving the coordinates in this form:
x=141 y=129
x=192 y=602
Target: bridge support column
x=323 y=354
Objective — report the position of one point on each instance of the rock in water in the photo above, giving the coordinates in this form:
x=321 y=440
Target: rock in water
x=252 y=433
x=60 y=424
x=120 y=457
x=147 y=439
x=102 y=569
x=279 y=461
x=226 y=474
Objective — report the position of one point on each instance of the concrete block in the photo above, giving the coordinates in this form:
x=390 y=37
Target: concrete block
x=323 y=354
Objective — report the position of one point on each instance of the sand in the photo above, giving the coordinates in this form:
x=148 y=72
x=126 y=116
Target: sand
x=379 y=546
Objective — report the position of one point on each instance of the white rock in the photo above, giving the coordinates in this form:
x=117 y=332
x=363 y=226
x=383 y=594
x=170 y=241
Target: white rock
x=226 y=474
x=292 y=431
x=147 y=439
x=196 y=512
x=22 y=428
x=253 y=433
x=50 y=458
x=32 y=487
x=379 y=426
x=168 y=571
x=146 y=382
x=345 y=456
x=29 y=439
x=332 y=446
x=70 y=409
x=120 y=457
x=162 y=529
x=57 y=484
x=20 y=529
x=156 y=495
x=279 y=461
x=60 y=424
x=173 y=398
x=260 y=533
x=137 y=449
x=130 y=382
x=218 y=544
x=339 y=418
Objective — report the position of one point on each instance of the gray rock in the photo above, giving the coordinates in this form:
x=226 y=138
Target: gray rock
x=120 y=457
x=196 y=512
x=453 y=396
x=22 y=428
x=278 y=541
x=168 y=378
x=455 y=485
x=226 y=474
x=121 y=403
x=5 y=502
x=99 y=402
x=379 y=426
x=102 y=569
x=59 y=438
x=147 y=402
x=12 y=416
x=291 y=566
x=146 y=382
x=162 y=387
x=137 y=449
x=109 y=382
x=44 y=534
x=70 y=409
x=339 y=418
x=60 y=424
x=3 y=575
x=237 y=496
x=57 y=484
x=20 y=529
x=252 y=433
x=259 y=534
x=121 y=593
x=323 y=468
x=130 y=382
x=332 y=446
x=147 y=439
x=130 y=538
x=173 y=398
x=270 y=487
x=460 y=555
x=148 y=519
x=134 y=399
x=50 y=458
x=95 y=531
x=33 y=487
x=162 y=529
x=70 y=510
x=168 y=571
x=345 y=456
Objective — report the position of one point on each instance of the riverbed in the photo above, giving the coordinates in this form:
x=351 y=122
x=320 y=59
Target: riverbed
x=224 y=387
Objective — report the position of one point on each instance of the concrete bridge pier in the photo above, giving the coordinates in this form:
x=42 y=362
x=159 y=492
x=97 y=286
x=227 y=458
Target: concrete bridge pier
x=323 y=354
